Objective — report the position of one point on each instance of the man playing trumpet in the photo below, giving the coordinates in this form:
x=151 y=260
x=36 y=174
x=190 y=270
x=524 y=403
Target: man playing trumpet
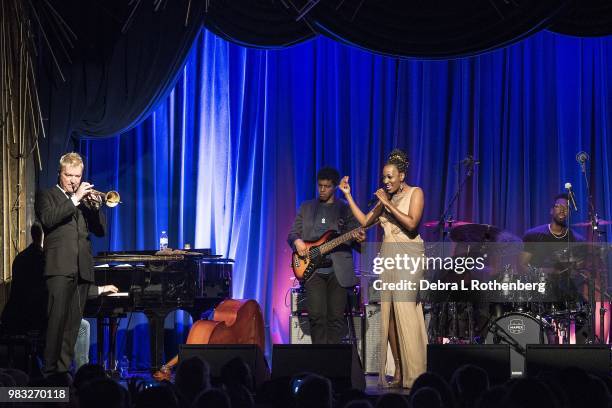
x=68 y=212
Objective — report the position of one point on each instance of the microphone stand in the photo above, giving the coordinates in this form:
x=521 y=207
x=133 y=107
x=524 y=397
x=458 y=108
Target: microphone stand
x=595 y=238
x=568 y=319
x=446 y=216
x=445 y=224
x=501 y=335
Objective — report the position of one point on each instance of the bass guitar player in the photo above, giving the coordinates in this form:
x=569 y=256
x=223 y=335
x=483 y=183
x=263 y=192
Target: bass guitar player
x=326 y=288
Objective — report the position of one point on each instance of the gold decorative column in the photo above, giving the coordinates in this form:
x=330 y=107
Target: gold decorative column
x=21 y=125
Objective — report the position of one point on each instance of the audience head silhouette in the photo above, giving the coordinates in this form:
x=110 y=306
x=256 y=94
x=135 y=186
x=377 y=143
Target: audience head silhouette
x=192 y=377
x=314 y=392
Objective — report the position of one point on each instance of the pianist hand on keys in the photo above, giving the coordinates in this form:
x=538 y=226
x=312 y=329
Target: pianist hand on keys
x=107 y=290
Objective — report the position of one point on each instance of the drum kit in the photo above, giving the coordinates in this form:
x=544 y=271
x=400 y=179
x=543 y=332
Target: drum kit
x=516 y=318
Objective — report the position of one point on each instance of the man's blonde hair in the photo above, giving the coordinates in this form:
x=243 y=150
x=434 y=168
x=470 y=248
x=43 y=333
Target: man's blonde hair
x=71 y=159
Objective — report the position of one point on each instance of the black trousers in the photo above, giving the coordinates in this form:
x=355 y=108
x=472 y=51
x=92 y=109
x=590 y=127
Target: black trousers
x=326 y=302
x=65 y=306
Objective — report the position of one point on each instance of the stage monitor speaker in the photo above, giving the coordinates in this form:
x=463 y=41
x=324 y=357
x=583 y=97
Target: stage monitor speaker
x=299 y=331
x=217 y=355
x=592 y=358
x=444 y=359
x=338 y=362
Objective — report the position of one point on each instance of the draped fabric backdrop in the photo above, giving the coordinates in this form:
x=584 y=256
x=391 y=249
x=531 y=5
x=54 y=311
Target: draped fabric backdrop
x=224 y=161
x=110 y=80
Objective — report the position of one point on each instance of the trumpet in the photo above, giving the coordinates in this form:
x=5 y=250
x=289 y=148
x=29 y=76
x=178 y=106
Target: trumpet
x=110 y=199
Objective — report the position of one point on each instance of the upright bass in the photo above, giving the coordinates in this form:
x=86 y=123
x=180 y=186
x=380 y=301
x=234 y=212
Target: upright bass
x=235 y=321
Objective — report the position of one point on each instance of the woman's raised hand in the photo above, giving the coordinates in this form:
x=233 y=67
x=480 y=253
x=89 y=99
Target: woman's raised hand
x=344 y=185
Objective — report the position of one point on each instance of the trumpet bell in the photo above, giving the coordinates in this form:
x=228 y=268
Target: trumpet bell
x=112 y=199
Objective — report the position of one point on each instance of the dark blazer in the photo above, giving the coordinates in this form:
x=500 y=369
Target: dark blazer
x=342 y=257
x=67 y=246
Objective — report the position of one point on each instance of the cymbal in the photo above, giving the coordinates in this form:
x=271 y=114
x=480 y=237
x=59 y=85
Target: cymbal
x=588 y=223
x=474 y=233
x=451 y=223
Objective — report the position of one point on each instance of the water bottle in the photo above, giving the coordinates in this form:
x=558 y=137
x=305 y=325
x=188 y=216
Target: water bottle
x=124 y=365
x=163 y=241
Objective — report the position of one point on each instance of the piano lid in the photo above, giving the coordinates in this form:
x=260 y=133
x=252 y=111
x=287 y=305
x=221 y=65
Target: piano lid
x=197 y=251
x=130 y=258
x=153 y=256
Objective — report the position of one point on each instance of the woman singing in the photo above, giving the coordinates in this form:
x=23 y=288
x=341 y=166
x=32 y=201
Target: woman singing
x=399 y=210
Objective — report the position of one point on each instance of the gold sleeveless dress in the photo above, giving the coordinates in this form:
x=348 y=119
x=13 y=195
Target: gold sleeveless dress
x=409 y=317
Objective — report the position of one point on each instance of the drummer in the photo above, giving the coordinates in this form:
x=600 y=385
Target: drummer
x=546 y=245
x=545 y=251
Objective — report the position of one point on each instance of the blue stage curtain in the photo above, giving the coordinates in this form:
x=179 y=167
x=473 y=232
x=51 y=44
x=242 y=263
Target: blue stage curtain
x=227 y=158
x=124 y=56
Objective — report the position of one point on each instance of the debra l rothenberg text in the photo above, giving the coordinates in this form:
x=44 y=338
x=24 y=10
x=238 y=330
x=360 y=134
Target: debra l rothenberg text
x=474 y=284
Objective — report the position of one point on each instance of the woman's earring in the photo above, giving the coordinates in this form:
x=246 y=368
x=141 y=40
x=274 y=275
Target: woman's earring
x=401 y=187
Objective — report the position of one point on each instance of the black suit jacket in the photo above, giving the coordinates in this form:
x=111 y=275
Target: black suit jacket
x=67 y=246
x=342 y=257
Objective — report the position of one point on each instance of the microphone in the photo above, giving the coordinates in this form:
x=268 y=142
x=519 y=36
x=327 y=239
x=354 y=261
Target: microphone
x=469 y=160
x=582 y=157
x=374 y=199
x=570 y=193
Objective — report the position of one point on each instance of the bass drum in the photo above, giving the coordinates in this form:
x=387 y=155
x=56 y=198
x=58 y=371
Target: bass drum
x=522 y=328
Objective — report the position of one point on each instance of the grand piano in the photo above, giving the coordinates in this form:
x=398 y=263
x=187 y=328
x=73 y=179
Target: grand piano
x=156 y=283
